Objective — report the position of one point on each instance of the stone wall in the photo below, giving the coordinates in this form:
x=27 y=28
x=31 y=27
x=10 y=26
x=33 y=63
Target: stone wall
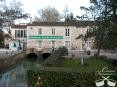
x=6 y=62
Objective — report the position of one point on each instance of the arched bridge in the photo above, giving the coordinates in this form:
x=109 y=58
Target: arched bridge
x=39 y=52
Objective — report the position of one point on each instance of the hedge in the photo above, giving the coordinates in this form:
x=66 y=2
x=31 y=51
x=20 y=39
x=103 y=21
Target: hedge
x=61 y=79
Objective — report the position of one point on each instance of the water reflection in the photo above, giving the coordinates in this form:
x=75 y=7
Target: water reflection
x=15 y=76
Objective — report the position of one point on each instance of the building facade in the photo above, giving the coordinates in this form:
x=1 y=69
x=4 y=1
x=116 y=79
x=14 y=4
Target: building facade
x=40 y=35
x=16 y=45
x=19 y=32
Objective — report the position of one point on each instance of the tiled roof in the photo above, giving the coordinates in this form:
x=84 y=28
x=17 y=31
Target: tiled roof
x=85 y=23
x=51 y=24
x=77 y=24
x=19 y=26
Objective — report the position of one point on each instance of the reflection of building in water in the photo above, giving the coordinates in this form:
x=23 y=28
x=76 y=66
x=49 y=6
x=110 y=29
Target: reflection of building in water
x=15 y=77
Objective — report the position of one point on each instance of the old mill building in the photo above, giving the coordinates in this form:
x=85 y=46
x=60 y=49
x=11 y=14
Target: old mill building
x=40 y=35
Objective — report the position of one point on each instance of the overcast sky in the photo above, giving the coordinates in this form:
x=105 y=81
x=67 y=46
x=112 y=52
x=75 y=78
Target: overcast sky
x=32 y=6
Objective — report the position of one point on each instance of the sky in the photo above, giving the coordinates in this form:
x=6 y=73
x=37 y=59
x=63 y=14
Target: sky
x=32 y=6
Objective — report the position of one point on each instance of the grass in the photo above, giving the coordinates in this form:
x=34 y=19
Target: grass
x=91 y=64
x=74 y=65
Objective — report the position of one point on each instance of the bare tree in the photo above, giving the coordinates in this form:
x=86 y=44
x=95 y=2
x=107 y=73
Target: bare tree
x=66 y=11
x=10 y=12
x=70 y=18
x=48 y=14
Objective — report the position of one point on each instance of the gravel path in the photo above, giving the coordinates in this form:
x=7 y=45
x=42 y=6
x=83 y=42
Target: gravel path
x=81 y=54
x=109 y=55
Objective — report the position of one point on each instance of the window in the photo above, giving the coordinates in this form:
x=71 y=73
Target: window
x=53 y=44
x=40 y=44
x=67 y=44
x=39 y=31
x=25 y=33
x=66 y=32
x=18 y=33
x=21 y=33
x=53 y=31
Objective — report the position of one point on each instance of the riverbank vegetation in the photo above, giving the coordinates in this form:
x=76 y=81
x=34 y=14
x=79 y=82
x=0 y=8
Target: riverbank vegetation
x=67 y=72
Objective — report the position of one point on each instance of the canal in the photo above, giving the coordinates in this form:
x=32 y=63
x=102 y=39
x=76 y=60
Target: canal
x=16 y=75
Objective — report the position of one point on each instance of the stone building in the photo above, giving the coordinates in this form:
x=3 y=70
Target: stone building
x=19 y=32
x=41 y=35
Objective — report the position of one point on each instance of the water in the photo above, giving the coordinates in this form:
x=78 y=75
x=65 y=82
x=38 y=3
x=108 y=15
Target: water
x=16 y=75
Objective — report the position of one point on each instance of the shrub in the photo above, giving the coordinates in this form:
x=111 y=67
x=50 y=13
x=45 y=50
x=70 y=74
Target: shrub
x=63 y=51
x=61 y=79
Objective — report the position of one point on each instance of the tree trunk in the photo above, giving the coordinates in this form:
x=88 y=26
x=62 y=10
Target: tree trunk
x=82 y=61
x=98 y=48
x=98 y=52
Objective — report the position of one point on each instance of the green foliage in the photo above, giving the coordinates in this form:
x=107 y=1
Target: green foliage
x=105 y=38
x=63 y=51
x=104 y=14
x=91 y=64
x=69 y=73
x=99 y=34
x=61 y=79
